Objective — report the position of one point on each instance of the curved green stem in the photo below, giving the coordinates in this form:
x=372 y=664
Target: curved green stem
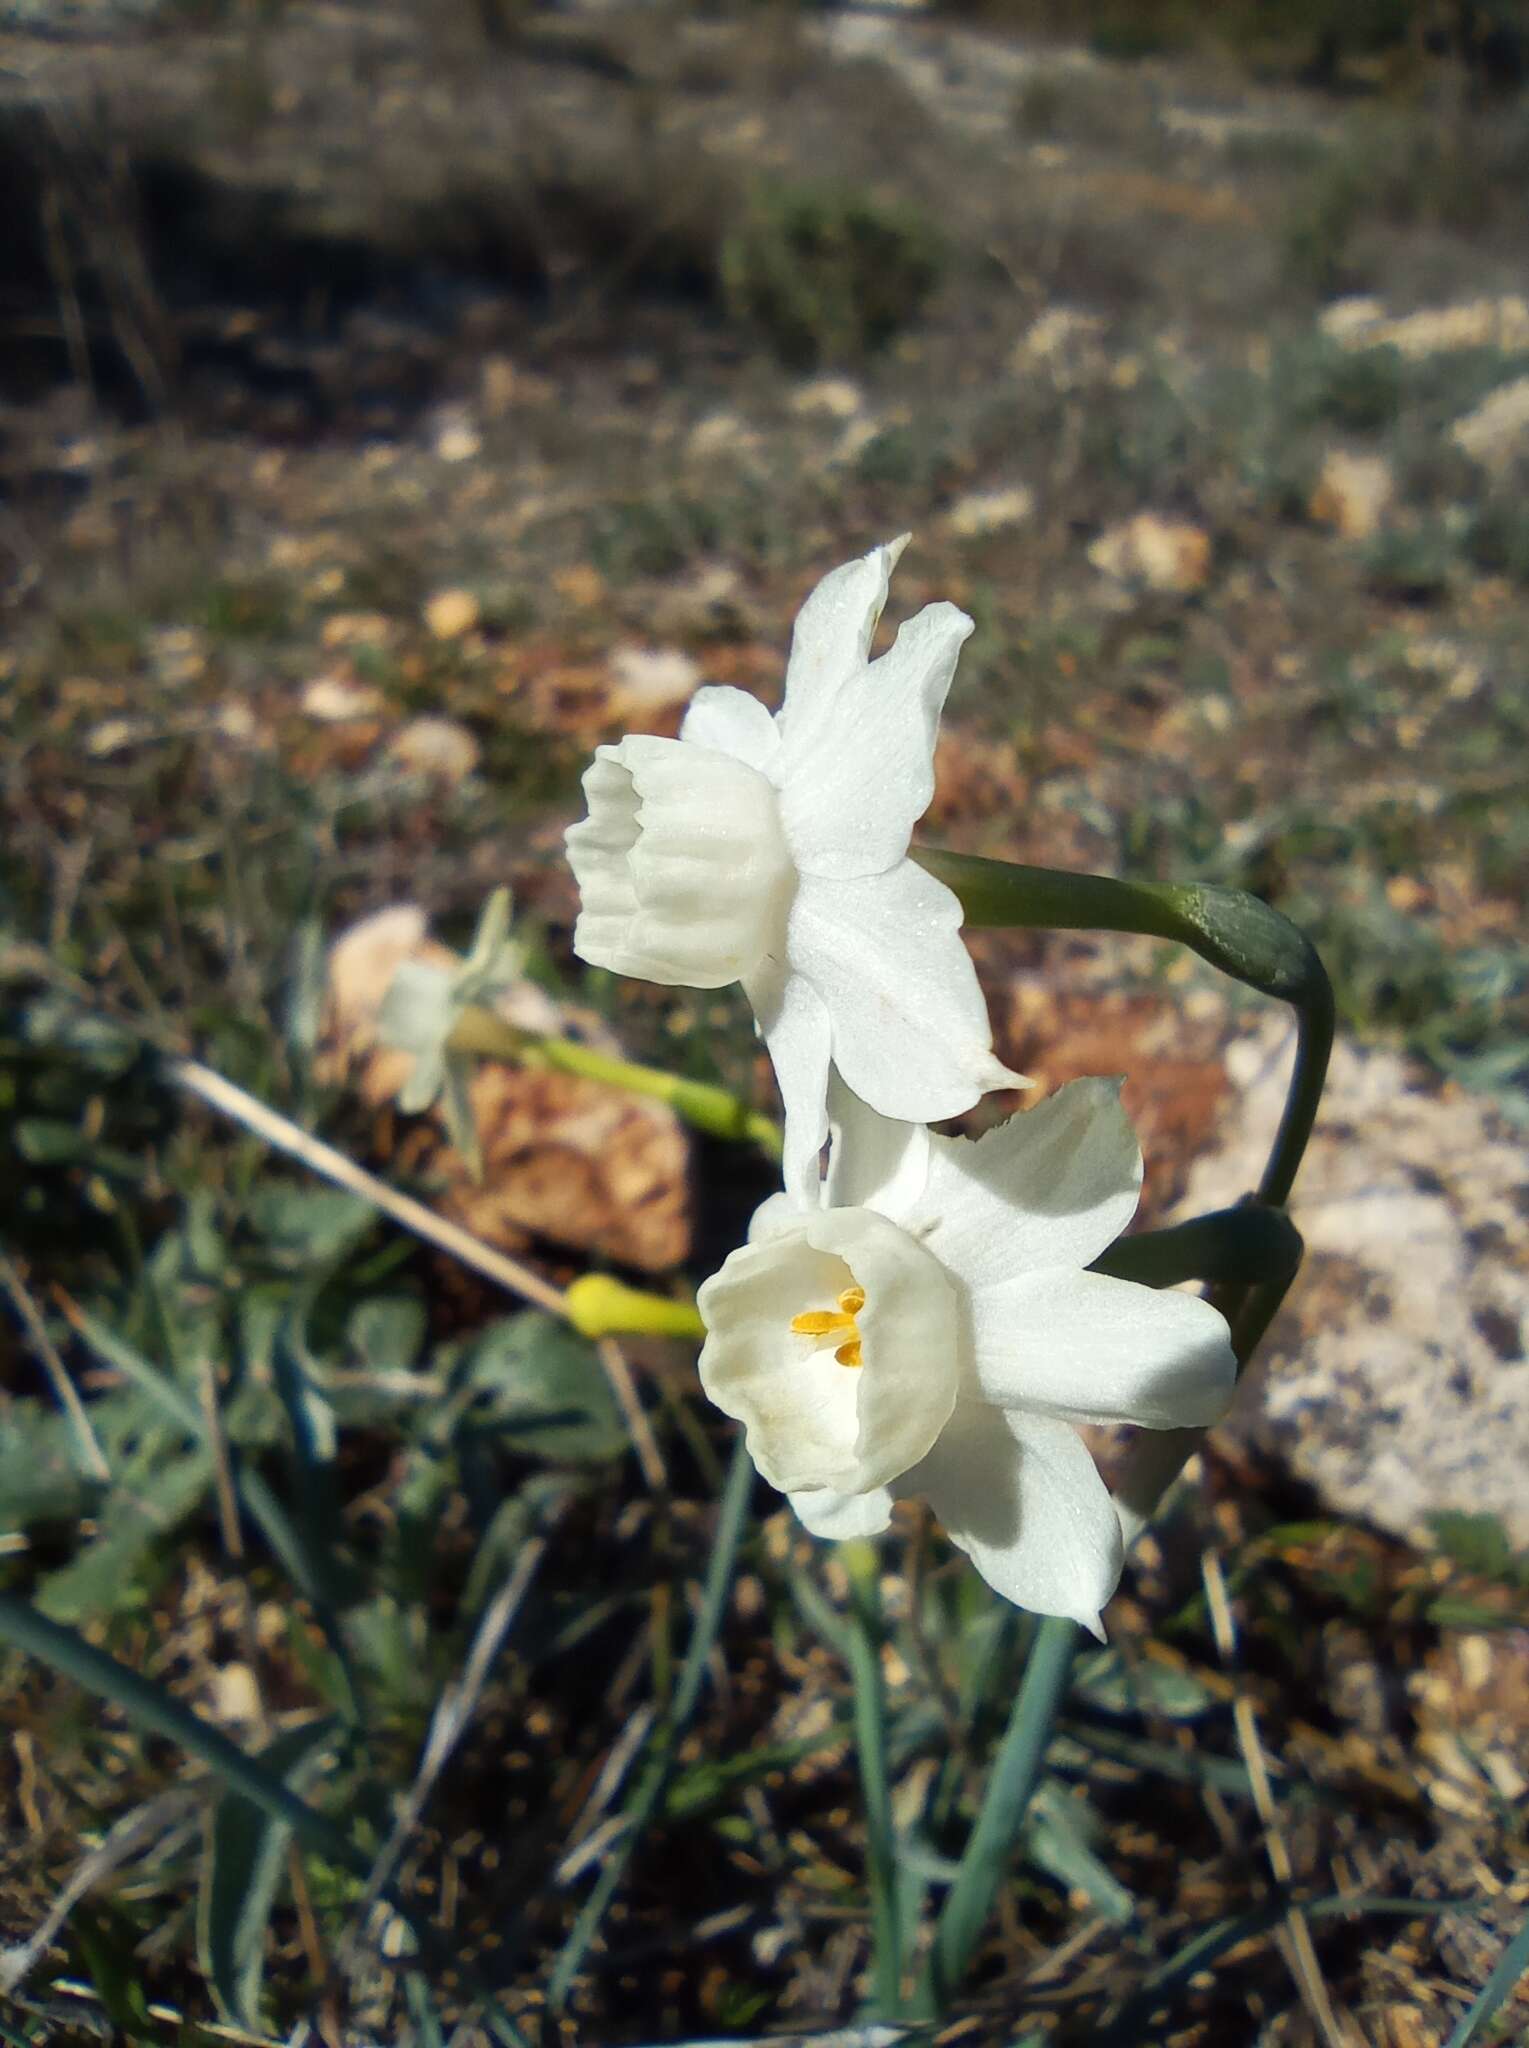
x=1240 y=934
x=708 y=1108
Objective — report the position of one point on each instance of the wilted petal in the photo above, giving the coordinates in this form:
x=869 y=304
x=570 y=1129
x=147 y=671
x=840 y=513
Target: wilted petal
x=1093 y=1349
x=910 y=1030
x=832 y=638
x=1023 y=1498
x=1050 y=1187
x=856 y=778
x=733 y=723
x=840 y=1516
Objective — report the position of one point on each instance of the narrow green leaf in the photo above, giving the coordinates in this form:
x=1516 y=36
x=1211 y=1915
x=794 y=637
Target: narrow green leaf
x=107 y=1574
x=240 y=1876
x=541 y=1389
x=864 y=1635
x=1056 y=1841
x=148 y=1706
x=990 y=1851
x=664 y=1740
x=1512 y=1964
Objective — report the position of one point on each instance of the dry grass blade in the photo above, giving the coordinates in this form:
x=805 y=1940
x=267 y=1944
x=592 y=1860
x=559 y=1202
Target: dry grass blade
x=91 y=1454
x=1295 y=1940
x=453 y=1712
x=332 y=1165
x=145 y=1824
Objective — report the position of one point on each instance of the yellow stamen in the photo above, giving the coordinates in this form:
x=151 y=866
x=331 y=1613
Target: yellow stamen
x=817 y=1322
x=827 y=1322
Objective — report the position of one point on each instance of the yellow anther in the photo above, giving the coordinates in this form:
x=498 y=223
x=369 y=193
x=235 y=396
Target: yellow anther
x=817 y=1322
x=840 y=1322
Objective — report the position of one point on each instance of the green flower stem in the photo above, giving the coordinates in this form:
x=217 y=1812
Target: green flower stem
x=1237 y=933
x=599 y=1306
x=862 y=1645
x=990 y=1851
x=1250 y=1253
x=1226 y=1247
x=708 y=1108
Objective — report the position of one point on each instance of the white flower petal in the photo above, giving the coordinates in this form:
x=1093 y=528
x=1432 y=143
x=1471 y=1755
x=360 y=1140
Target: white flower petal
x=733 y=723
x=839 y=1516
x=683 y=873
x=794 y=1025
x=856 y=778
x=874 y=1162
x=910 y=1028
x=812 y=1418
x=831 y=639
x=1050 y=1187
x=1092 y=1349
x=1027 y=1505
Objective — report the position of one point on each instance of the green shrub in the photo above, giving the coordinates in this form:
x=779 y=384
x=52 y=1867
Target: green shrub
x=827 y=274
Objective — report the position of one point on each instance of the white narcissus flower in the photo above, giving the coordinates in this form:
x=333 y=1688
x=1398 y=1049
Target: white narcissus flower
x=774 y=851
x=927 y=1326
x=420 y=1010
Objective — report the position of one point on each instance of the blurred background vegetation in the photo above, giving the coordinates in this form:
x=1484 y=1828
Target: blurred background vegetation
x=398 y=398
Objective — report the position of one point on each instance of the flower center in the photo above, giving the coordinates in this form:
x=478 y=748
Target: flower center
x=819 y=1323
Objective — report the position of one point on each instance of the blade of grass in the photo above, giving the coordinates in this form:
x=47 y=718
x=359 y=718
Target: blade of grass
x=665 y=1740
x=254 y=1494
x=150 y=1708
x=990 y=1850
x=92 y=1461
x=1495 y=1993
x=864 y=1651
x=1133 y=2026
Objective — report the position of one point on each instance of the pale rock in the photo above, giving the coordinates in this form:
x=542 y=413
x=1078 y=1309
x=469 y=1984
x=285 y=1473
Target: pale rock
x=1169 y=555
x=834 y=398
x=439 y=748
x=721 y=434
x=854 y=441
x=1498 y=430
x=1395 y=1381
x=1065 y=343
x=1501 y=323
x=452 y=613
x=356 y=629
x=235 y=721
x=233 y=1695
x=995 y=511
x=1353 y=494
x=649 y=679
x=457 y=439
x=177 y=655
x=337 y=700
x=115 y=736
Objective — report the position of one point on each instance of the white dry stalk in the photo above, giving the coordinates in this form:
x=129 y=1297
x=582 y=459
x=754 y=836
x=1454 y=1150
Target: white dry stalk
x=53 y=1365
x=453 y=1712
x=333 y=1165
